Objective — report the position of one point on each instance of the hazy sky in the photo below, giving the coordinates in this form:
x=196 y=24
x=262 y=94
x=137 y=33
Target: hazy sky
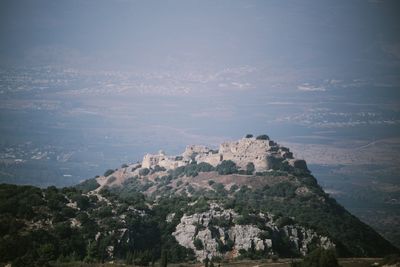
x=241 y=57
x=357 y=36
x=109 y=80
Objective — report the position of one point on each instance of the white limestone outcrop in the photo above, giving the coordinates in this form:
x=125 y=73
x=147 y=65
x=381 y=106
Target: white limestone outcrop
x=212 y=229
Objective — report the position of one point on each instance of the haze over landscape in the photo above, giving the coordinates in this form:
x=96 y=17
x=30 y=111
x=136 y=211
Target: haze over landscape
x=86 y=86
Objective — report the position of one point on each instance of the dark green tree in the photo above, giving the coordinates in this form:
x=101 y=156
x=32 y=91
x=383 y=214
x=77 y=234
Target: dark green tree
x=108 y=172
x=91 y=252
x=263 y=137
x=206 y=261
x=144 y=172
x=129 y=258
x=321 y=258
x=250 y=168
x=164 y=258
x=47 y=252
x=198 y=244
x=227 y=167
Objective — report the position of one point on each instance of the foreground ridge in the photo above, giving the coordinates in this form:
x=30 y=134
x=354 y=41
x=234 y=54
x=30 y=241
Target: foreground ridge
x=249 y=199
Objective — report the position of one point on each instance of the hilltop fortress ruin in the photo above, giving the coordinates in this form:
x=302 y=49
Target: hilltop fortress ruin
x=264 y=153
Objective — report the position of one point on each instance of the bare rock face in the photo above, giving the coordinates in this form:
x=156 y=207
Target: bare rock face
x=247 y=150
x=162 y=160
x=192 y=151
x=221 y=235
x=246 y=236
x=302 y=237
x=264 y=154
x=201 y=154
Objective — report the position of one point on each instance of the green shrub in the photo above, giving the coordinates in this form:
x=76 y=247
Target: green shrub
x=88 y=185
x=284 y=221
x=199 y=227
x=108 y=172
x=158 y=168
x=177 y=171
x=105 y=212
x=217 y=259
x=219 y=189
x=190 y=189
x=249 y=135
x=263 y=137
x=391 y=259
x=227 y=167
x=191 y=170
x=228 y=246
x=144 y=171
x=321 y=258
x=221 y=222
x=233 y=188
x=250 y=168
x=198 y=244
x=284 y=189
x=82 y=201
x=264 y=235
x=205 y=167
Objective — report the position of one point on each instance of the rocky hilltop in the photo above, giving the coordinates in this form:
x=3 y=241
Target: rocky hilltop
x=260 y=154
x=247 y=199
x=259 y=166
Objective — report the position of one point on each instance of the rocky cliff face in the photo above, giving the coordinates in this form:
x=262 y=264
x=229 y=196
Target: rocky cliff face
x=221 y=233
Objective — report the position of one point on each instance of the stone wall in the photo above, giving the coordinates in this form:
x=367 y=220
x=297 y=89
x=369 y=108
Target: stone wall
x=160 y=159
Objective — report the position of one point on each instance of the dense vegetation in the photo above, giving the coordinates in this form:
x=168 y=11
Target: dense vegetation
x=38 y=226
x=318 y=258
x=262 y=137
x=191 y=170
x=315 y=210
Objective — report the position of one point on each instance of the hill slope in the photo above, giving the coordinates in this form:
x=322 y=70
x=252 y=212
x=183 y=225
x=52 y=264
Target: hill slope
x=249 y=198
